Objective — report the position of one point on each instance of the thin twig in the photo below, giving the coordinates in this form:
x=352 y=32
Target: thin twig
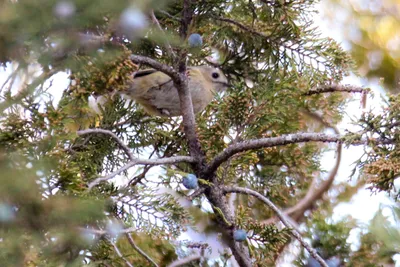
x=113 y=135
x=28 y=89
x=242 y=26
x=171 y=160
x=12 y=77
x=169 y=15
x=284 y=219
x=102 y=233
x=196 y=193
x=119 y=253
x=133 y=160
x=155 y=21
x=141 y=252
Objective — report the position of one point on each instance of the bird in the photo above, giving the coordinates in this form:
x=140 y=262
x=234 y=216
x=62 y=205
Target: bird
x=156 y=93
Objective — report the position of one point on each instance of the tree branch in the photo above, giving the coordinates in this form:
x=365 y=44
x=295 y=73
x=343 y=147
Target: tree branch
x=102 y=233
x=282 y=217
x=29 y=88
x=269 y=142
x=156 y=65
x=183 y=89
x=155 y=21
x=124 y=147
x=133 y=160
x=181 y=83
x=171 y=160
x=314 y=192
x=196 y=193
x=119 y=253
x=141 y=252
x=337 y=88
x=241 y=26
x=169 y=15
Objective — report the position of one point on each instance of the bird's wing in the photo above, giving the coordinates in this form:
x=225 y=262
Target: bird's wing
x=146 y=80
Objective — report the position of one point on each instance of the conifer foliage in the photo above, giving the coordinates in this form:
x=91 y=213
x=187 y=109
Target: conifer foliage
x=101 y=184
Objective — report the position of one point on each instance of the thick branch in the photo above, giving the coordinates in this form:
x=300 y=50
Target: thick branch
x=183 y=88
x=282 y=217
x=270 y=142
x=337 y=88
x=156 y=65
x=187 y=15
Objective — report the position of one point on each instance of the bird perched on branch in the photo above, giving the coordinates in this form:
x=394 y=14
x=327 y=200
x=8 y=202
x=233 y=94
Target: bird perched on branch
x=156 y=92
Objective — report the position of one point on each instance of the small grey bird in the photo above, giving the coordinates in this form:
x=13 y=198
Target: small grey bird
x=155 y=90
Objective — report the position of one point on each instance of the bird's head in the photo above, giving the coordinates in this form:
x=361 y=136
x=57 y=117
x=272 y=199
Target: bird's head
x=214 y=76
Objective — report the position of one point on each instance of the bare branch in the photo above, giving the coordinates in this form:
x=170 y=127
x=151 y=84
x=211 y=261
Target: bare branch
x=171 y=160
x=284 y=219
x=141 y=252
x=119 y=253
x=186 y=260
x=269 y=142
x=133 y=160
x=156 y=65
x=102 y=233
x=337 y=88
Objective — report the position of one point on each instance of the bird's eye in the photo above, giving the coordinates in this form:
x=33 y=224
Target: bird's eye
x=215 y=75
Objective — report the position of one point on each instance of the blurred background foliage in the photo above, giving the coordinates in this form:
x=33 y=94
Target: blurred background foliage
x=273 y=55
x=372 y=31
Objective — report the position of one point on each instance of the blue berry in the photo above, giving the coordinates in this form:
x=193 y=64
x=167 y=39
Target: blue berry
x=133 y=22
x=64 y=9
x=195 y=40
x=190 y=181
x=240 y=235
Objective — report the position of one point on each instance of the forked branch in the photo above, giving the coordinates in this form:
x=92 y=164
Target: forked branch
x=284 y=219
